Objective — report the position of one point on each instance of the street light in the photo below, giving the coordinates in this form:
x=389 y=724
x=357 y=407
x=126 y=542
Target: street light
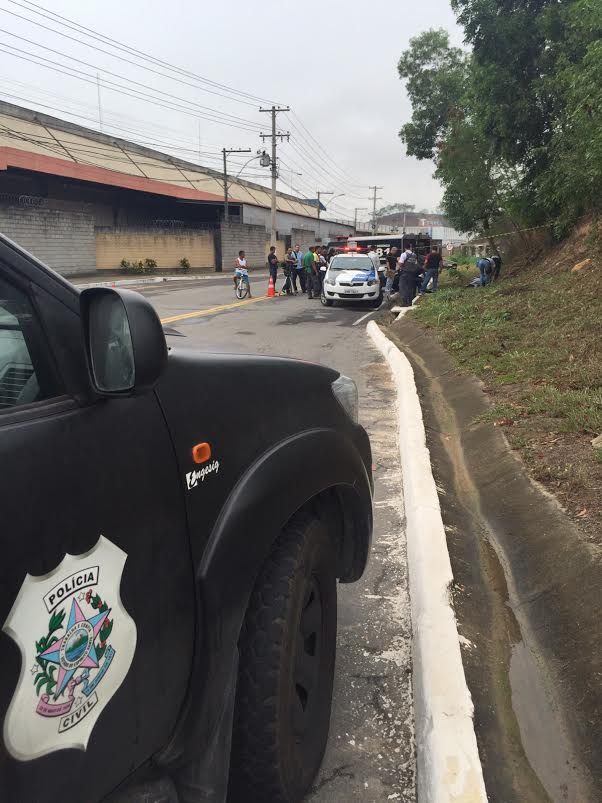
x=320 y=193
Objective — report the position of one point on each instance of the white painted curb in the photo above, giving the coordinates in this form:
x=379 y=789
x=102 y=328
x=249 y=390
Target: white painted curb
x=448 y=764
x=143 y=280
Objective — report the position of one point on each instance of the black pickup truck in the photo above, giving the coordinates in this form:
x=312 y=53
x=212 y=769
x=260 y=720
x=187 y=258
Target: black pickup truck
x=173 y=525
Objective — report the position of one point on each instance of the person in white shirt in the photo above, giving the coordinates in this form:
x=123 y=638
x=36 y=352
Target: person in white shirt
x=240 y=269
x=375 y=258
x=407 y=253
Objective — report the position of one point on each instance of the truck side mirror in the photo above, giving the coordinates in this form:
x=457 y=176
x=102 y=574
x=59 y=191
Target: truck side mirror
x=125 y=343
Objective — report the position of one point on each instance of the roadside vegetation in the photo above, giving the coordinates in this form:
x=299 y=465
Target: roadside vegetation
x=513 y=122
x=534 y=339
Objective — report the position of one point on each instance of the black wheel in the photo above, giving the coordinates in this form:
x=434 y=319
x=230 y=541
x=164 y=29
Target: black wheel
x=241 y=290
x=377 y=301
x=326 y=302
x=287 y=652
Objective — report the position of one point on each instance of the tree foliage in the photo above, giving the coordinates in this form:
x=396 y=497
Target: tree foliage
x=435 y=75
x=513 y=124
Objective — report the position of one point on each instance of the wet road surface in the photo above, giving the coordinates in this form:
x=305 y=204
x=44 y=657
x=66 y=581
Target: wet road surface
x=370 y=754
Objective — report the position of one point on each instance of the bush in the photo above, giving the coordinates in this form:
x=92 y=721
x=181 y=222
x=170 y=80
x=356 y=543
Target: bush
x=184 y=265
x=149 y=265
x=125 y=266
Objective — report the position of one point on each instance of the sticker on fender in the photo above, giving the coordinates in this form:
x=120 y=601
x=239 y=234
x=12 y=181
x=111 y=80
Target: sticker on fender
x=193 y=478
x=77 y=644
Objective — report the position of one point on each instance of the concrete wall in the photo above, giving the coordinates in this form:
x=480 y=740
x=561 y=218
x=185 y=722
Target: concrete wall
x=167 y=247
x=280 y=248
x=63 y=239
x=304 y=237
x=252 y=240
x=287 y=221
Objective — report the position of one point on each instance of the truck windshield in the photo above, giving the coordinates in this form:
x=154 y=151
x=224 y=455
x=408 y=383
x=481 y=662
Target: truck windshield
x=351 y=263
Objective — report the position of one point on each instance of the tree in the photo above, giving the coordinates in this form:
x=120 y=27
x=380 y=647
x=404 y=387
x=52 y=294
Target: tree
x=571 y=184
x=510 y=56
x=514 y=126
x=436 y=76
x=439 y=85
x=467 y=171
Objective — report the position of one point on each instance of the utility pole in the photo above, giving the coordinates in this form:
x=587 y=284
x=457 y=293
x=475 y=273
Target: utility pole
x=274 y=136
x=357 y=209
x=225 y=152
x=320 y=193
x=374 y=200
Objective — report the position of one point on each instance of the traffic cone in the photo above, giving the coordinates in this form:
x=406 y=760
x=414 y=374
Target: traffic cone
x=271 y=290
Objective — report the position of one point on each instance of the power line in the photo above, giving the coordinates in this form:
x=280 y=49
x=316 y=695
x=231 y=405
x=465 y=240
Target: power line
x=345 y=177
x=205 y=109
x=91 y=33
x=87 y=78
x=172 y=133
x=329 y=176
x=342 y=176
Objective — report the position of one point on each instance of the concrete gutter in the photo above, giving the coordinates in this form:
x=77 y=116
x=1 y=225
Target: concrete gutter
x=448 y=764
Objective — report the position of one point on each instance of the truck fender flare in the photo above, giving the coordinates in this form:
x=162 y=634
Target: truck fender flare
x=272 y=489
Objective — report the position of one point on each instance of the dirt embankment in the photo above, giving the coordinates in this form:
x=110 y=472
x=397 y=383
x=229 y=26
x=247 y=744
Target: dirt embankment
x=528 y=591
x=535 y=340
x=527 y=566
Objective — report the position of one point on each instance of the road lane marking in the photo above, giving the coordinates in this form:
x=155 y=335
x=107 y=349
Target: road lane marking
x=363 y=318
x=212 y=310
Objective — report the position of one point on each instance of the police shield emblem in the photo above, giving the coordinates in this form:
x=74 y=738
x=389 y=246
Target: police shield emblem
x=77 y=643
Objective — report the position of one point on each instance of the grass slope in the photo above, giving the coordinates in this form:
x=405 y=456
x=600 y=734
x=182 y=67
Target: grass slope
x=535 y=339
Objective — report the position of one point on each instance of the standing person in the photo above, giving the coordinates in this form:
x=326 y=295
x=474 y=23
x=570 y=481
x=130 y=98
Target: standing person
x=273 y=264
x=391 y=270
x=373 y=254
x=409 y=270
x=316 y=274
x=322 y=266
x=309 y=269
x=298 y=272
x=288 y=266
x=329 y=255
x=432 y=266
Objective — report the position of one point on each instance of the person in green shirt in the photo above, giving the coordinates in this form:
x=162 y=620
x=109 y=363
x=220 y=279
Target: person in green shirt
x=310 y=270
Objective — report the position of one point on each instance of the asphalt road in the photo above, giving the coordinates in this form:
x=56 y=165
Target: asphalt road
x=370 y=755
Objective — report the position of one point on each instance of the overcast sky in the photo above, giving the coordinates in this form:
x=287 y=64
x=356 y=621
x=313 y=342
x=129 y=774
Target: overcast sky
x=333 y=63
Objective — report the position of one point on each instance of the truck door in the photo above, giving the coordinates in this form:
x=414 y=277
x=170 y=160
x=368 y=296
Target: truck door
x=96 y=587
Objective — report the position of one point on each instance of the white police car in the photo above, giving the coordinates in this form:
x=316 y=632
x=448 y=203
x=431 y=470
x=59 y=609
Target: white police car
x=351 y=277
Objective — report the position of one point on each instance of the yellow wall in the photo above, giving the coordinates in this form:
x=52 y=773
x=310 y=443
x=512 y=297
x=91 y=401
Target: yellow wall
x=280 y=249
x=166 y=247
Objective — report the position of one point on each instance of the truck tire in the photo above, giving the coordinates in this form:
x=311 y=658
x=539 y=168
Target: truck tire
x=287 y=653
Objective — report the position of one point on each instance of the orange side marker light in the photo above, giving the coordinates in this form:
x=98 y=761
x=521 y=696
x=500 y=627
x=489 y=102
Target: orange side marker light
x=201 y=452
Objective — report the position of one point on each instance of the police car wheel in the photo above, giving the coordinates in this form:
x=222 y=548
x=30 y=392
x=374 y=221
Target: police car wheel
x=326 y=302
x=287 y=652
